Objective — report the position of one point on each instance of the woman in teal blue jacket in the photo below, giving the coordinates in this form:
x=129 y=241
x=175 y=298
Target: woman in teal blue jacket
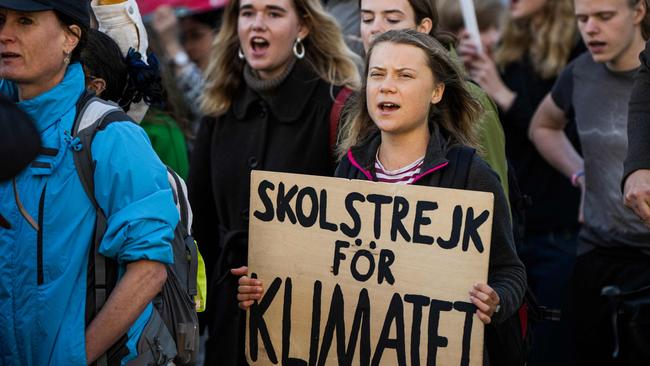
x=43 y=266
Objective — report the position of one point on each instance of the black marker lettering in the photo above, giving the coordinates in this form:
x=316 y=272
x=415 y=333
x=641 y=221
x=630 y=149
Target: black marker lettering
x=394 y=314
x=315 y=324
x=335 y=322
x=469 y=309
x=323 y=213
x=258 y=325
x=435 y=340
x=418 y=302
x=338 y=256
x=267 y=215
x=400 y=210
x=371 y=265
x=471 y=229
x=454 y=239
x=354 y=215
x=421 y=220
x=284 y=203
x=310 y=219
x=286 y=328
x=361 y=323
x=386 y=258
x=378 y=200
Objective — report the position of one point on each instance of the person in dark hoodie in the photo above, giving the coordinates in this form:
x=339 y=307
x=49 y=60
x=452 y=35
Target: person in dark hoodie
x=19 y=140
x=414 y=107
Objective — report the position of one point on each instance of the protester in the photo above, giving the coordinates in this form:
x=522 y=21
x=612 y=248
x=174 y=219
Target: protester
x=186 y=45
x=19 y=140
x=43 y=279
x=378 y=16
x=121 y=79
x=636 y=176
x=277 y=67
x=594 y=90
x=398 y=124
x=413 y=108
x=489 y=15
x=539 y=39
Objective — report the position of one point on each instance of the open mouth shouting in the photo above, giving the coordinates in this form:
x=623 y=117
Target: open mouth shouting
x=259 y=46
x=388 y=107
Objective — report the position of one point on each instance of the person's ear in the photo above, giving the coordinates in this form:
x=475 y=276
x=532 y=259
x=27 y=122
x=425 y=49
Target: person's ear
x=98 y=85
x=72 y=37
x=425 y=26
x=303 y=31
x=640 y=11
x=438 y=92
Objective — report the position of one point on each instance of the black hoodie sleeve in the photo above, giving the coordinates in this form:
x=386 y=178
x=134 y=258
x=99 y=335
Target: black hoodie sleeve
x=19 y=140
x=638 y=128
x=506 y=273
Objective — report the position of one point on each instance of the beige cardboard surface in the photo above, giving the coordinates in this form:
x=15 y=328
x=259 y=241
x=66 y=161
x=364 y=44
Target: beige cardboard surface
x=395 y=324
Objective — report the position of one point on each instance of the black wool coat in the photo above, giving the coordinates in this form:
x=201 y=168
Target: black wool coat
x=287 y=131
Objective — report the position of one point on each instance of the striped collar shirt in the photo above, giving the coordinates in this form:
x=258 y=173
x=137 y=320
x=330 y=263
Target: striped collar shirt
x=404 y=175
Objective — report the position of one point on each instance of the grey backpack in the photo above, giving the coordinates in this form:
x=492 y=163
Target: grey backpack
x=171 y=334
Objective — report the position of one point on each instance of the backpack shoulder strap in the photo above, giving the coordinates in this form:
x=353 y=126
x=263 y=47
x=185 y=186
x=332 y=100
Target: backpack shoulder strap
x=179 y=191
x=93 y=115
x=335 y=114
x=460 y=162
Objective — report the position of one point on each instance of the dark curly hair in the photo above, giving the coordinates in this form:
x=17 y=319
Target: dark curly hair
x=128 y=79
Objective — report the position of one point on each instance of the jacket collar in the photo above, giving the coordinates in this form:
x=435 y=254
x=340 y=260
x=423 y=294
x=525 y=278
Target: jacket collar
x=290 y=100
x=363 y=155
x=48 y=108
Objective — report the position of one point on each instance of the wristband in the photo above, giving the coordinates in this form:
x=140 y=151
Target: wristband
x=575 y=176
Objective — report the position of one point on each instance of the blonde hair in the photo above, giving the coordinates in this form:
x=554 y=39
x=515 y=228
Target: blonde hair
x=326 y=53
x=456 y=112
x=549 y=51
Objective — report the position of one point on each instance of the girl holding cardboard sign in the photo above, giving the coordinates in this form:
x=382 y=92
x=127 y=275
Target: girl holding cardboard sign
x=412 y=110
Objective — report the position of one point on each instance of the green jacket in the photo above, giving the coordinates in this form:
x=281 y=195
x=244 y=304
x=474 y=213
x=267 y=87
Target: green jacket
x=491 y=135
x=167 y=139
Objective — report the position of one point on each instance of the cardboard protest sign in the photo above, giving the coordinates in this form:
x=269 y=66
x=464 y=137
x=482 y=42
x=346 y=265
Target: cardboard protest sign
x=148 y=6
x=361 y=273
